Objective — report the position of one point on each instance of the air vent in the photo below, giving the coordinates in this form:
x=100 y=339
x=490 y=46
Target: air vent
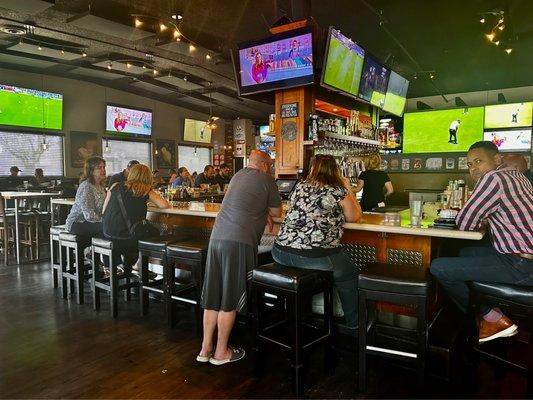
x=13 y=29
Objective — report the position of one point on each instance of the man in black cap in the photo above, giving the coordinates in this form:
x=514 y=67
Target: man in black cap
x=122 y=176
x=13 y=180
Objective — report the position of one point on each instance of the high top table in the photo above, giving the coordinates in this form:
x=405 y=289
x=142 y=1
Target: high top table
x=16 y=196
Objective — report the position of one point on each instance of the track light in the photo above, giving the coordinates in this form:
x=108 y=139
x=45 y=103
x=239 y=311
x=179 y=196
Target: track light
x=501 y=20
x=482 y=20
x=109 y=66
x=128 y=65
x=177 y=17
x=490 y=36
x=501 y=27
x=138 y=23
x=62 y=51
x=162 y=27
x=497 y=43
x=207 y=57
x=415 y=76
x=509 y=50
x=431 y=75
x=176 y=33
x=185 y=78
x=191 y=47
x=39 y=48
x=155 y=71
x=84 y=54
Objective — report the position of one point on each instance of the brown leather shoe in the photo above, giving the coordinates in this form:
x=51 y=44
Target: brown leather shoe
x=504 y=327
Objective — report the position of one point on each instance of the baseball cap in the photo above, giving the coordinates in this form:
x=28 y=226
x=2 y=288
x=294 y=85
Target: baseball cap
x=15 y=168
x=132 y=163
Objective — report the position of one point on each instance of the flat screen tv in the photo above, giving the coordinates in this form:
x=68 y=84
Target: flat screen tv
x=374 y=80
x=277 y=62
x=30 y=108
x=396 y=96
x=515 y=115
x=196 y=131
x=122 y=121
x=343 y=64
x=510 y=140
x=432 y=131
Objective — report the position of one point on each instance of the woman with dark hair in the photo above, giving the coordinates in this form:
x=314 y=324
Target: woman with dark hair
x=85 y=216
x=310 y=234
x=129 y=199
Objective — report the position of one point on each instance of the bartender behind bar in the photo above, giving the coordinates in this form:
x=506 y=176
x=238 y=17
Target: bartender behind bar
x=503 y=200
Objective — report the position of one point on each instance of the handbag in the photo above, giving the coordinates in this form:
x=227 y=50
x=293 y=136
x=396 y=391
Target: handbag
x=139 y=230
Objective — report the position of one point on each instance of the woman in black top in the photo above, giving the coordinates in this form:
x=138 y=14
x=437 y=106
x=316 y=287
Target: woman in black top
x=135 y=193
x=373 y=181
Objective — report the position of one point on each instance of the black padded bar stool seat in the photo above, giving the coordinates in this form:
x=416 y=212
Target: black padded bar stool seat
x=159 y=243
x=264 y=255
x=294 y=289
x=103 y=243
x=83 y=240
x=408 y=285
x=187 y=256
x=514 y=293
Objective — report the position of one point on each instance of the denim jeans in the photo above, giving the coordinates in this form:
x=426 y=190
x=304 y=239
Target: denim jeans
x=482 y=264
x=344 y=276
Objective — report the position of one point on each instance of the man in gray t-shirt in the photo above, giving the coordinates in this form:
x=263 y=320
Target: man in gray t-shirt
x=251 y=202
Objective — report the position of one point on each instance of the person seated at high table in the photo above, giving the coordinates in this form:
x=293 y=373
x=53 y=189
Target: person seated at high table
x=123 y=175
x=13 y=180
x=172 y=175
x=38 y=178
x=502 y=199
x=373 y=182
x=207 y=177
x=129 y=200
x=224 y=175
x=518 y=162
x=183 y=179
x=309 y=236
x=158 y=181
x=85 y=217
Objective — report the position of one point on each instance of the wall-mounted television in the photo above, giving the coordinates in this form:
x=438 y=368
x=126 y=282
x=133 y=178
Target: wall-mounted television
x=443 y=131
x=510 y=140
x=343 y=64
x=515 y=115
x=374 y=80
x=277 y=62
x=396 y=96
x=196 y=131
x=30 y=108
x=123 y=121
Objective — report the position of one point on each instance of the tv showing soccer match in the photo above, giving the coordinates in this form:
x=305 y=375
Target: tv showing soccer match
x=510 y=140
x=122 y=121
x=515 y=115
x=196 y=131
x=396 y=96
x=343 y=64
x=30 y=108
x=442 y=130
x=374 y=80
x=281 y=61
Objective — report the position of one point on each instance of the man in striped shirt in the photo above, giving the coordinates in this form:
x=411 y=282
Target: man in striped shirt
x=503 y=200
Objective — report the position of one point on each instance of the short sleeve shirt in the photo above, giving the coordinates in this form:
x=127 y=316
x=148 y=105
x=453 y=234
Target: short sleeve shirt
x=373 y=188
x=242 y=216
x=315 y=218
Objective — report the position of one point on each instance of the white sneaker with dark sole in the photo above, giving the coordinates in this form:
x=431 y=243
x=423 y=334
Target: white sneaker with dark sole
x=236 y=355
x=510 y=331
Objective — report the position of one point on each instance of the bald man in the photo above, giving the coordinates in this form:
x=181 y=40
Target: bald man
x=252 y=200
x=518 y=162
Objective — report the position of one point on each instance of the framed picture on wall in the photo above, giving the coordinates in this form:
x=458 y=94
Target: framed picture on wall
x=165 y=153
x=82 y=146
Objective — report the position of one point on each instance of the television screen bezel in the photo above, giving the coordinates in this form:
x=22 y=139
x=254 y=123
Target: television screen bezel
x=376 y=60
x=28 y=127
x=276 y=85
x=408 y=83
x=132 y=135
x=323 y=73
x=525 y=128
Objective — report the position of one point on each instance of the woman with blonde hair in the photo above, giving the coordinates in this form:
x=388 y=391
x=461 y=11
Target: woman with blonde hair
x=372 y=182
x=125 y=208
x=310 y=234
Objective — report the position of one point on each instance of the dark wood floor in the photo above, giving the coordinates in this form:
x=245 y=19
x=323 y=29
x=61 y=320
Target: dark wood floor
x=52 y=348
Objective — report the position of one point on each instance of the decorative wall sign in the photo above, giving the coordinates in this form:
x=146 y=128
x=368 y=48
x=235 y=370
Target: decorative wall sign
x=450 y=163
x=394 y=164
x=417 y=164
x=434 y=163
x=289 y=131
x=406 y=164
x=289 y=110
x=462 y=163
x=239 y=149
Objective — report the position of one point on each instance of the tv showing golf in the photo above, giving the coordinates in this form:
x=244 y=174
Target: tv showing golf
x=30 y=108
x=515 y=115
x=343 y=65
x=442 y=130
x=396 y=94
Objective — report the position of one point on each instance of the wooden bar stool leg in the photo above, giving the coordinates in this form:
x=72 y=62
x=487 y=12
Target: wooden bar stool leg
x=530 y=358
x=257 y=293
x=143 y=294
x=168 y=291
x=329 y=347
x=95 y=278
x=293 y=308
x=80 y=272
x=362 y=340
x=63 y=262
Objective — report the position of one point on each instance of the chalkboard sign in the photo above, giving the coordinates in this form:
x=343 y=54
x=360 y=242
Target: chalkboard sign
x=289 y=110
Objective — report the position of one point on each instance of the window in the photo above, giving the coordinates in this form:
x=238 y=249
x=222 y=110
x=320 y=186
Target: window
x=29 y=151
x=194 y=158
x=117 y=154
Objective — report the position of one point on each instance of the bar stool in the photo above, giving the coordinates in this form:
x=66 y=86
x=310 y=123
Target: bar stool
x=400 y=284
x=187 y=256
x=295 y=287
x=72 y=262
x=105 y=247
x=54 y=252
x=155 y=248
x=516 y=299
